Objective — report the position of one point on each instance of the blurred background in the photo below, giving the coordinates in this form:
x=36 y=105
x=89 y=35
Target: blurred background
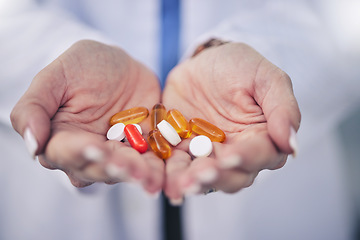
x=315 y=196
x=349 y=137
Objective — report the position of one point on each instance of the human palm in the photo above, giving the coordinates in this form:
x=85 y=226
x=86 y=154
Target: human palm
x=69 y=103
x=82 y=89
x=250 y=99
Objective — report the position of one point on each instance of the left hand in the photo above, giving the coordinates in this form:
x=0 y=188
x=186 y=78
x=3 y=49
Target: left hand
x=250 y=99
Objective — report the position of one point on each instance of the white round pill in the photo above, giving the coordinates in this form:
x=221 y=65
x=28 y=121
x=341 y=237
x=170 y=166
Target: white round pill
x=116 y=132
x=169 y=133
x=200 y=146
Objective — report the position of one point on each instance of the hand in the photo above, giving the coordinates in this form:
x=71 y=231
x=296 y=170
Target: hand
x=250 y=99
x=67 y=109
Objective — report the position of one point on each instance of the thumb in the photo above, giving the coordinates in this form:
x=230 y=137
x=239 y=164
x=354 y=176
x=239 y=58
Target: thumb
x=31 y=116
x=275 y=95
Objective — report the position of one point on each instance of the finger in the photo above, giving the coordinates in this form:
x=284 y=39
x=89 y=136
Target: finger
x=125 y=163
x=154 y=181
x=89 y=164
x=201 y=173
x=274 y=93
x=31 y=115
x=76 y=181
x=233 y=180
x=282 y=162
x=74 y=150
x=45 y=163
x=92 y=172
x=252 y=150
x=176 y=165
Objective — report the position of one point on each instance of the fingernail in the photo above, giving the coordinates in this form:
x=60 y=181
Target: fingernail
x=115 y=171
x=153 y=195
x=230 y=162
x=176 y=201
x=208 y=175
x=30 y=142
x=192 y=189
x=93 y=154
x=293 y=142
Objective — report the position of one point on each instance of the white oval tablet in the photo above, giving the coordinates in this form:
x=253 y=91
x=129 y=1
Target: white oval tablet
x=138 y=128
x=200 y=146
x=116 y=132
x=169 y=133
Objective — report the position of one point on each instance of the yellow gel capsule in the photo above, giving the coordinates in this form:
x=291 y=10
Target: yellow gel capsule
x=178 y=121
x=202 y=127
x=158 y=144
x=130 y=116
x=158 y=113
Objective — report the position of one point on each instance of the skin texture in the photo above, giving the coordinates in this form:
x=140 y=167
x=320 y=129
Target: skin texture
x=68 y=107
x=250 y=99
x=69 y=103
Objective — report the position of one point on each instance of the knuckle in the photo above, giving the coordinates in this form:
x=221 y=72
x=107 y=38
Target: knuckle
x=75 y=181
x=79 y=183
x=14 y=116
x=43 y=162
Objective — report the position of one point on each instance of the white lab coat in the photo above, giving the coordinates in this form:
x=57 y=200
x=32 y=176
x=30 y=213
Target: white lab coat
x=317 y=44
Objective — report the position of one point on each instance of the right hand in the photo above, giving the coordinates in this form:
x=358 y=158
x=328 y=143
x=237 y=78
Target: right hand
x=67 y=109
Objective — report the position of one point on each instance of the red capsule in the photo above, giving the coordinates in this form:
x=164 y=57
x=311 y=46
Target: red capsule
x=136 y=140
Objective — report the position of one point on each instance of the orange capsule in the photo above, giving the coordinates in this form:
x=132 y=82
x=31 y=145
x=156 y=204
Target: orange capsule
x=202 y=127
x=157 y=114
x=130 y=116
x=136 y=140
x=178 y=121
x=158 y=144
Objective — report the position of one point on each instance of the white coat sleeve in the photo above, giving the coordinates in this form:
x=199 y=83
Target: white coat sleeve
x=31 y=36
x=300 y=38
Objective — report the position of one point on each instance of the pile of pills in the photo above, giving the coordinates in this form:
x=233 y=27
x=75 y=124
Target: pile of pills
x=168 y=128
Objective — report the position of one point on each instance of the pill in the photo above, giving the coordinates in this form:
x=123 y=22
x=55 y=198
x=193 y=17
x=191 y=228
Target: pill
x=158 y=144
x=202 y=127
x=200 y=146
x=116 y=132
x=157 y=114
x=136 y=140
x=130 y=116
x=138 y=128
x=169 y=133
x=178 y=121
